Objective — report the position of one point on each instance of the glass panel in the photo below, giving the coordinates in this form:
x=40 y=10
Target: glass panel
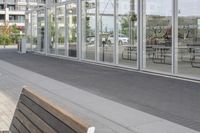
x=28 y=31
x=34 y=30
x=40 y=30
x=51 y=31
x=72 y=29
x=158 y=35
x=106 y=30
x=61 y=30
x=127 y=34
x=189 y=37
x=89 y=26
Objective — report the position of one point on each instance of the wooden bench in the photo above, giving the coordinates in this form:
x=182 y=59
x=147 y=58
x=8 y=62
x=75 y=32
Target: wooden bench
x=35 y=114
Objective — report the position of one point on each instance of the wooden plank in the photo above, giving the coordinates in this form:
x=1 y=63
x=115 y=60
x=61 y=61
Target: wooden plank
x=26 y=122
x=19 y=126
x=13 y=129
x=35 y=119
x=51 y=120
x=4 y=131
x=69 y=119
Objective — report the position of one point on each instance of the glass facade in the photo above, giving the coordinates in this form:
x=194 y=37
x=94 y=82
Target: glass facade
x=28 y=31
x=106 y=28
x=89 y=29
x=34 y=30
x=60 y=19
x=127 y=33
x=71 y=25
x=40 y=30
x=127 y=40
x=51 y=33
x=189 y=37
x=158 y=35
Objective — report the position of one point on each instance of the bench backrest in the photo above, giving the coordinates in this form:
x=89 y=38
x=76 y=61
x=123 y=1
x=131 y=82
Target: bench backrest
x=35 y=114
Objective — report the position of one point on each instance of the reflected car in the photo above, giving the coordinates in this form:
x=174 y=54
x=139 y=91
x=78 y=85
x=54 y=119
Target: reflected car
x=121 y=37
x=90 y=40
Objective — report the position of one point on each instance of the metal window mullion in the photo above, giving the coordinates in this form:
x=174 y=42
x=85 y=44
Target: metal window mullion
x=139 y=35
x=46 y=30
x=79 y=38
x=116 y=46
x=97 y=51
x=56 y=32
x=31 y=32
x=66 y=31
x=83 y=23
x=174 y=36
x=142 y=22
x=37 y=34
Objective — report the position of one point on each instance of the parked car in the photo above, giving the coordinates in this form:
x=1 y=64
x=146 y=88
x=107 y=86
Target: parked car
x=121 y=37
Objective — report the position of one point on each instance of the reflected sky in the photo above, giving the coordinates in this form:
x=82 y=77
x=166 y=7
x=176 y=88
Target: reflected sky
x=152 y=7
x=164 y=7
x=189 y=8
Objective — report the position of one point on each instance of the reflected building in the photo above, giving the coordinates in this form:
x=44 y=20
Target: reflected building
x=152 y=35
x=12 y=12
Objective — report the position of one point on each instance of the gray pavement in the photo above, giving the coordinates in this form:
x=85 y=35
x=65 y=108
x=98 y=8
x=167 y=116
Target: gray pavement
x=106 y=115
x=171 y=99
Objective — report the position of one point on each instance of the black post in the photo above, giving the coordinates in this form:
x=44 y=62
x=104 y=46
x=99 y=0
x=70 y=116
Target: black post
x=103 y=44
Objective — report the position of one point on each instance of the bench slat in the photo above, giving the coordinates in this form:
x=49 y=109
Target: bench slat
x=51 y=120
x=19 y=126
x=78 y=125
x=4 y=131
x=13 y=129
x=35 y=119
x=26 y=122
x=35 y=114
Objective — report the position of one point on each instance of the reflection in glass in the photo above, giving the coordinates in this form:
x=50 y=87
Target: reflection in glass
x=40 y=30
x=28 y=31
x=127 y=32
x=71 y=11
x=51 y=31
x=106 y=30
x=158 y=41
x=189 y=37
x=61 y=30
x=34 y=31
x=89 y=38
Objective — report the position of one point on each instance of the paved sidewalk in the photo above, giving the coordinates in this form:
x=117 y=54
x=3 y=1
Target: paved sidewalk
x=106 y=115
x=172 y=99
